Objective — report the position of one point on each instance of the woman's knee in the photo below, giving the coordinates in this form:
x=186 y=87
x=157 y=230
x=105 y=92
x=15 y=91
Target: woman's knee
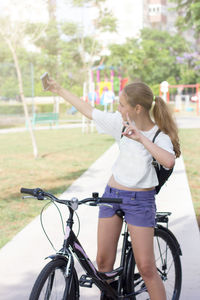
x=105 y=263
x=147 y=269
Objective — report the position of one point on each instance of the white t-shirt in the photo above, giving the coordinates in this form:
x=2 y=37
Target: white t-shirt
x=133 y=167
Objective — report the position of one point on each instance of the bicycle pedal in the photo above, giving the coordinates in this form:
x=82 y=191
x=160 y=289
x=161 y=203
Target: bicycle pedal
x=85 y=281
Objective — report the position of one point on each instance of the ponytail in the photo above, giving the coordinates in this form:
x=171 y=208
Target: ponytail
x=163 y=118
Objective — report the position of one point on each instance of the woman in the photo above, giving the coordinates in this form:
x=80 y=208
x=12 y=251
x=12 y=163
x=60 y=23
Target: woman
x=133 y=176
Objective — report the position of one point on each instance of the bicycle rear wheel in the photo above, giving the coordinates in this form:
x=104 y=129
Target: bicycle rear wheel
x=168 y=265
x=51 y=283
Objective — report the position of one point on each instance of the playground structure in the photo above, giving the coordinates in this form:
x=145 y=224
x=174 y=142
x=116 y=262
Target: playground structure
x=111 y=82
x=102 y=91
x=186 y=99
x=115 y=84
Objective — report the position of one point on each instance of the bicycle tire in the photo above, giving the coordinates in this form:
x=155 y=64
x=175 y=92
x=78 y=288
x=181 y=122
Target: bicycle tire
x=51 y=283
x=167 y=261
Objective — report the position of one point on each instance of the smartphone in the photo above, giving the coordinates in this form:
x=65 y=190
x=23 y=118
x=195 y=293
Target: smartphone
x=45 y=78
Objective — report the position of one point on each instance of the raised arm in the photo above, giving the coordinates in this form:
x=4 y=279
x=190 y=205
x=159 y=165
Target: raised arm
x=83 y=107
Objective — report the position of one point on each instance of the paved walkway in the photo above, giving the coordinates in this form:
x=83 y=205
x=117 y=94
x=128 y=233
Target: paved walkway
x=188 y=122
x=23 y=257
x=183 y=122
x=23 y=129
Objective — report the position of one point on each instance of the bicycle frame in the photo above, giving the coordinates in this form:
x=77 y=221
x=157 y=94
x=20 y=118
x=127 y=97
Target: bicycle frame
x=72 y=246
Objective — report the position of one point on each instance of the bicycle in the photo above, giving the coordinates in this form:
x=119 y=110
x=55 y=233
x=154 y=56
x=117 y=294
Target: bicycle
x=59 y=280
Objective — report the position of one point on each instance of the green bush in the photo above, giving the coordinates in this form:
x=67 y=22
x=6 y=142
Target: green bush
x=13 y=109
x=17 y=109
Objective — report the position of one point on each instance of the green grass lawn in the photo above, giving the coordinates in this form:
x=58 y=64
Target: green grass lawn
x=190 y=146
x=64 y=156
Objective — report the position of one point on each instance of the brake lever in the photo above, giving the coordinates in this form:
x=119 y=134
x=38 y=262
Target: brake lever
x=25 y=197
x=34 y=197
x=105 y=204
x=98 y=204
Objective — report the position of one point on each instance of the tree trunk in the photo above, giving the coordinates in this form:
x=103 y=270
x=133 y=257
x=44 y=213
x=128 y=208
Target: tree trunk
x=52 y=10
x=20 y=84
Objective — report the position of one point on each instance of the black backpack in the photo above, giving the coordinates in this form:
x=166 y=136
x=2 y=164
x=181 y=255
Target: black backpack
x=161 y=172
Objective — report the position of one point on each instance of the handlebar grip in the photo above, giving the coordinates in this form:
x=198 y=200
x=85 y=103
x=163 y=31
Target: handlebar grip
x=110 y=200
x=37 y=193
x=28 y=191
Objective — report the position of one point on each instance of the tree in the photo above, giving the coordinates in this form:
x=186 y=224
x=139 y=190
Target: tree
x=188 y=15
x=153 y=58
x=68 y=48
x=78 y=48
x=8 y=87
x=87 y=47
x=52 y=9
x=13 y=33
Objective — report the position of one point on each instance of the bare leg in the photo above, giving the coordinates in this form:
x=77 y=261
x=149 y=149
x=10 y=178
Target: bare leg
x=108 y=235
x=142 y=243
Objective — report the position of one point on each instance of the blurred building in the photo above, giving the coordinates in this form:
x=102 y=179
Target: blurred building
x=160 y=14
x=134 y=15
x=155 y=14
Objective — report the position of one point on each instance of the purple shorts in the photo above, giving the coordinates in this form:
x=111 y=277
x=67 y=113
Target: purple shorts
x=139 y=207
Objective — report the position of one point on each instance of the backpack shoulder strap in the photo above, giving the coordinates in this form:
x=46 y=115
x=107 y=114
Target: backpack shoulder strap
x=123 y=129
x=156 y=134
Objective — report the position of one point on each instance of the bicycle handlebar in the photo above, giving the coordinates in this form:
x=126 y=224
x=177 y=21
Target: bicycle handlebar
x=94 y=201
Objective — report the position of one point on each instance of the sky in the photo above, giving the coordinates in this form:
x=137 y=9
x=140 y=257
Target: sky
x=127 y=12
x=24 y=9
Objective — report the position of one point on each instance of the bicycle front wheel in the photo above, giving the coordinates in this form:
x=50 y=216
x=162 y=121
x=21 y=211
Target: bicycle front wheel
x=168 y=265
x=52 y=284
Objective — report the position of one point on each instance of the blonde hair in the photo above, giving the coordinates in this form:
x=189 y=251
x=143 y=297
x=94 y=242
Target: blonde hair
x=140 y=93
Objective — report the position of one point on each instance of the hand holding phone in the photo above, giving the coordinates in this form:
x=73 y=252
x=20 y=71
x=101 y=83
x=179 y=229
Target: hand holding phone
x=49 y=84
x=45 y=78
